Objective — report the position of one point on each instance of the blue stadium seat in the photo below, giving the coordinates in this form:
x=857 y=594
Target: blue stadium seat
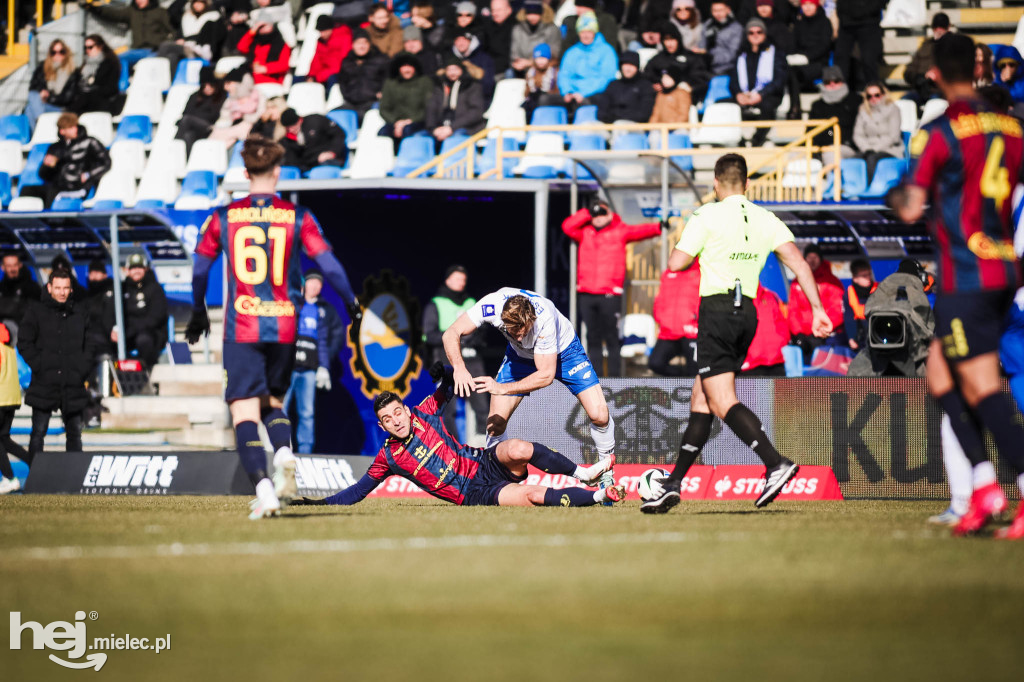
x=5 y=189
x=66 y=204
x=855 y=178
x=540 y=173
x=550 y=116
x=718 y=90
x=906 y=143
x=135 y=127
x=30 y=173
x=126 y=73
x=290 y=173
x=451 y=143
x=888 y=173
x=201 y=183
x=150 y=205
x=187 y=72
x=108 y=205
x=489 y=157
x=585 y=142
x=347 y=121
x=235 y=160
x=413 y=152
x=324 y=173
x=585 y=114
x=630 y=142
x=15 y=127
x=793 y=357
x=681 y=141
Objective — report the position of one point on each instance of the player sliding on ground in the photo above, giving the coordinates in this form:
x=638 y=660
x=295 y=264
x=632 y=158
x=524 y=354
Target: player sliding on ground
x=421 y=450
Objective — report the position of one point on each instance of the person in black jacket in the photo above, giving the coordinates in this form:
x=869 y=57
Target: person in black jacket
x=57 y=341
x=457 y=103
x=497 y=36
x=99 y=297
x=692 y=67
x=836 y=100
x=777 y=25
x=17 y=291
x=201 y=110
x=73 y=165
x=362 y=74
x=812 y=40
x=630 y=98
x=758 y=80
x=145 y=312
x=312 y=140
x=860 y=24
x=96 y=86
x=53 y=83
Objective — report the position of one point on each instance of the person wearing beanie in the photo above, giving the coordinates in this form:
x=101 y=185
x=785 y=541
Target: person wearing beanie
x=812 y=43
x=692 y=69
x=530 y=32
x=588 y=66
x=145 y=312
x=496 y=36
x=466 y=19
x=385 y=30
x=403 y=101
x=723 y=37
x=686 y=17
x=428 y=57
x=457 y=103
x=860 y=26
x=758 y=79
x=362 y=74
x=606 y=25
x=201 y=110
x=332 y=46
x=312 y=140
x=541 y=81
x=630 y=97
x=672 y=104
x=836 y=100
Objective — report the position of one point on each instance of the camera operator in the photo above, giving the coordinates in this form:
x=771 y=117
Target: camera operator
x=900 y=325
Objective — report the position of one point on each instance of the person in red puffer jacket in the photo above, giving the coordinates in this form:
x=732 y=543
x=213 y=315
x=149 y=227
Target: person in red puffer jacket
x=602 y=239
x=831 y=291
x=267 y=52
x=764 y=358
x=675 y=311
x=331 y=47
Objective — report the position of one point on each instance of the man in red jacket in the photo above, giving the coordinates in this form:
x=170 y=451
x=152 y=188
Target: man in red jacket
x=830 y=289
x=331 y=47
x=675 y=311
x=602 y=238
x=764 y=357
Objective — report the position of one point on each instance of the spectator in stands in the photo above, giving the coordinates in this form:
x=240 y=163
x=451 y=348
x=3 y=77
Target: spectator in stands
x=764 y=357
x=860 y=24
x=606 y=25
x=465 y=20
x=861 y=286
x=530 y=32
x=1009 y=72
x=332 y=45
x=96 y=87
x=319 y=337
x=983 y=74
x=422 y=17
x=267 y=52
x=17 y=290
x=836 y=100
x=649 y=37
x=475 y=60
x=876 y=133
x=59 y=344
x=202 y=31
x=812 y=43
x=145 y=312
x=428 y=58
x=602 y=239
x=385 y=30
x=242 y=108
x=148 y=22
x=61 y=262
x=53 y=83
x=758 y=79
x=312 y=140
x=457 y=103
x=362 y=74
x=923 y=88
x=10 y=401
x=723 y=37
x=629 y=98
x=202 y=109
x=541 y=82
x=675 y=311
x=100 y=296
x=691 y=68
x=686 y=18
x=73 y=165
x=778 y=29
x=830 y=289
x=672 y=104
x=276 y=13
x=497 y=36
x=236 y=26
x=588 y=66
x=269 y=123
x=403 y=102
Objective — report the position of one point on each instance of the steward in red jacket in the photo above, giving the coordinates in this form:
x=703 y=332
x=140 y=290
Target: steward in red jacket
x=675 y=311
x=331 y=47
x=831 y=291
x=765 y=354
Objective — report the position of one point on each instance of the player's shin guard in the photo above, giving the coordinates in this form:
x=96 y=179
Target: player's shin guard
x=250 y=451
x=279 y=429
x=996 y=412
x=546 y=459
x=604 y=437
x=958 y=468
x=747 y=426
x=569 y=497
x=697 y=432
x=965 y=426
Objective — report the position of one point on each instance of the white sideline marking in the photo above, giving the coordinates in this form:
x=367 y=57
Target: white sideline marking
x=178 y=549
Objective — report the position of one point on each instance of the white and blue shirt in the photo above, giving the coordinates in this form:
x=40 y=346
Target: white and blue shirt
x=551 y=334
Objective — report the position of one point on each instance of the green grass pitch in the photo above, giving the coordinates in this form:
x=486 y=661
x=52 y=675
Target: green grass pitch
x=401 y=590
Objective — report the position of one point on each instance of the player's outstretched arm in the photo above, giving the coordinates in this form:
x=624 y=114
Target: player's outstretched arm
x=452 y=340
x=791 y=257
x=336 y=275
x=547 y=365
x=350 y=495
x=199 y=323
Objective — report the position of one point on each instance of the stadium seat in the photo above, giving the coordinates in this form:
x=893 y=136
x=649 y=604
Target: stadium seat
x=208 y=155
x=26 y=205
x=107 y=205
x=348 y=121
x=793 y=357
x=304 y=55
x=15 y=127
x=585 y=142
x=201 y=182
x=158 y=182
x=372 y=123
x=226 y=65
x=413 y=152
x=288 y=173
x=639 y=332
x=718 y=90
x=30 y=173
x=152 y=72
x=855 y=178
x=308 y=98
x=630 y=142
x=236 y=175
x=145 y=101
x=679 y=140
x=128 y=156
x=325 y=172
x=334 y=98
x=796 y=172
x=98 y=124
x=150 y=205
x=536 y=165
x=5 y=189
x=908 y=115
x=235 y=160
x=374 y=157
x=46 y=129
x=187 y=72
x=193 y=202
x=117 y=185
x=488 y=159
x=124 y=80
x=272 y=90
x=933 y=108
x=11 y=161
x=508 y=94
x=550 y=116
x=174 y=106
x=724 y=136
x=66 y=204
x=451 y=143
x=586 y=115
x=137 y=127
x=514 y=117
x=888 y=174
x=646 y=54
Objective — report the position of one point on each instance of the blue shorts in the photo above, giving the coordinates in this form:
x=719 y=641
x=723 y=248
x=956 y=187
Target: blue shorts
x=254 y=370
x=490 y=479
x=1011 y=344
x=574 y=368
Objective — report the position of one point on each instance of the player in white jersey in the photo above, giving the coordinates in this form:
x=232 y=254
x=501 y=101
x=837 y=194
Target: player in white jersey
x=542 y=347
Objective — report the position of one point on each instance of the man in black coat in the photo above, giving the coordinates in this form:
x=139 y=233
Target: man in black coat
x=457 y=103
x=57 y=342
x=497 y=35
x=17 y=291
x=630 y=98
x=362 y=74
x=312 y=140
x=74 y=164
x=145 y=312
x=860 y=24
x=812 y=39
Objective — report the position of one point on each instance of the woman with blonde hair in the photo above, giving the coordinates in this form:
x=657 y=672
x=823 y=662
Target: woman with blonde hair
x=53 y=82
x=877 y=131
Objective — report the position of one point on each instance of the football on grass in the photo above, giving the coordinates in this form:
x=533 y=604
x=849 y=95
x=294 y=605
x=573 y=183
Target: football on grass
x=643 y=486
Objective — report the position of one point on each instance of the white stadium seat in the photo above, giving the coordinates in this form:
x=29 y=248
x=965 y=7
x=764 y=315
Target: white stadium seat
x=933 y=108
x=193 y=202
x=310 y=35
x=372 y=123
x=209 y=155
x=236 y=175
x=374 y=157
x=144 y=101
x=129 y=156
x=538 y=145
x=646 y=54
x=116 y=184
x=797 y=172
x=226 y=65
x=719 y=112
x=307 y=98
x=98 y=124
x=158 y=182
x=45 y=131
x=25 y=205
x=334 y=98
x=908 y=115
x=271 y=90
x=152 y=72
x=514 y=117
x=508 y=93
x=177 y=98
x=11 y=161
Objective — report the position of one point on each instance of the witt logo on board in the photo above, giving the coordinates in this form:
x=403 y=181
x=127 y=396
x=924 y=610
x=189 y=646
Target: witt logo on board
x=139 y=474
x=323 y=474
x=384 y=343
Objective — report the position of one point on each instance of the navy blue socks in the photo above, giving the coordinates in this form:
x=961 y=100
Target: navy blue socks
x=250 y=451
x=279 y=427
x=569 y=497
x=546 y=459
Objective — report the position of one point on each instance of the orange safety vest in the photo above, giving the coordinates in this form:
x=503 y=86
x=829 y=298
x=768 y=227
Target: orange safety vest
x=855 y=305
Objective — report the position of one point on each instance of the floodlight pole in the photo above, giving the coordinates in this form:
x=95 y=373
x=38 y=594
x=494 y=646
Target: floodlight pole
x=115 y=255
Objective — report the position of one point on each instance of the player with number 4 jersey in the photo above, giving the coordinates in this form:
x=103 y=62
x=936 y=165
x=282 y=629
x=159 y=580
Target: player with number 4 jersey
x=261 y=237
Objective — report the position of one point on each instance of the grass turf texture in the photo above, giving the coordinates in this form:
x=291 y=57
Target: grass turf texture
x=799 y=591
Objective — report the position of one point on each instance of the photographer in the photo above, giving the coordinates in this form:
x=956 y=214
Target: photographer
x=900 y=325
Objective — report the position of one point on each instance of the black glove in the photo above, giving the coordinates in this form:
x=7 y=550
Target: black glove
x=355 y=311
x=436 y=371
x=307 y=502
x=198 y=325
x=443 y=373
x=665 y=224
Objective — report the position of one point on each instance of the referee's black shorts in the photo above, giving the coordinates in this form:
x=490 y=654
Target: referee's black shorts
x=724 y=333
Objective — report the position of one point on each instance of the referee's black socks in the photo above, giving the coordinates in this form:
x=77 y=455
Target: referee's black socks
x=747 y=427
x=697 y=432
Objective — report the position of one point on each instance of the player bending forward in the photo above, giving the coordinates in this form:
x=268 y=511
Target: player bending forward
x=420 y=449
x=542 y=347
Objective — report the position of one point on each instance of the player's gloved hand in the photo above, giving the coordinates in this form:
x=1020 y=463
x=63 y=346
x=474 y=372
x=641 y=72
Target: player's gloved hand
x=355 y=311
x=436 y=371
x=198 y=325
x=440 y=372
x=323 y=378
x=665 y=224
x=307 y=502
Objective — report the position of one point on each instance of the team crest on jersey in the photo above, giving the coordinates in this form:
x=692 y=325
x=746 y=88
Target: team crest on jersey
x=384 y=344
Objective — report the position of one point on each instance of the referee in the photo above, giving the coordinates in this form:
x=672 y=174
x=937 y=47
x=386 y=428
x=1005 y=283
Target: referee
x=732 y=238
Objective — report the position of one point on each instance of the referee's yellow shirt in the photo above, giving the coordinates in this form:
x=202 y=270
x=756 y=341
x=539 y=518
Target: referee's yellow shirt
x=732 y=238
